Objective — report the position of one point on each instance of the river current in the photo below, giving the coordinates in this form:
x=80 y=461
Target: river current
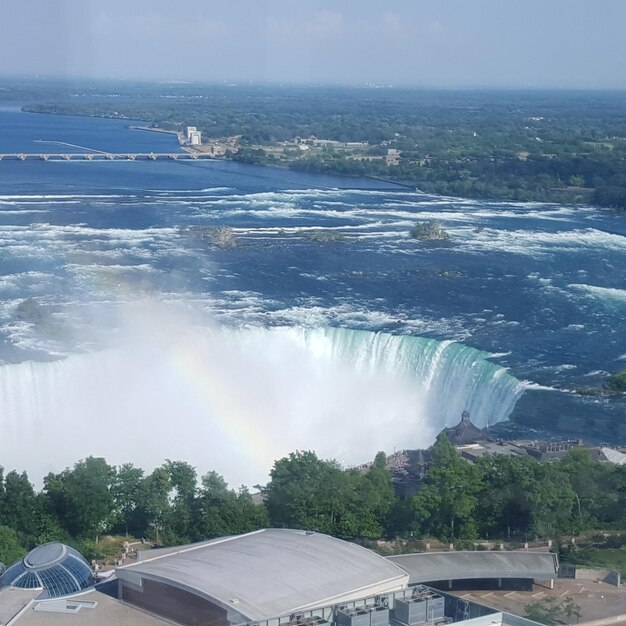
x=147 y=342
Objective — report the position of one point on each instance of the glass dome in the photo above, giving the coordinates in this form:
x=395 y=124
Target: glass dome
x=54 y=567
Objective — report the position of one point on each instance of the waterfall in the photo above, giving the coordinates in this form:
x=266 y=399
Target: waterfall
x=452 y=376
x=235 y=400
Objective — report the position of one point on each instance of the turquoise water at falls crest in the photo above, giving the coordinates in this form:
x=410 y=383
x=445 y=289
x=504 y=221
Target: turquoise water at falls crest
x=452 y=376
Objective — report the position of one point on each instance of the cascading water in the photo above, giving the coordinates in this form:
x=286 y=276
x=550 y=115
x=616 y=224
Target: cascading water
x=235 y=400
x=452 y=376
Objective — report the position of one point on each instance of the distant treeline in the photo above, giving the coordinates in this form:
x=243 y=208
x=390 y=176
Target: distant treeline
x=497 y=497
x=533 y=145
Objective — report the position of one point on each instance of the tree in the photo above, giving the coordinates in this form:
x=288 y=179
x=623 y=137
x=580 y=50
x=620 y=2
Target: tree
x=82 y=498
x=306 y=492
x=571 y=609
x=504 y=506
x=10 y=547
x=18 y=506
x=445 y=504
x=214 y=505
x=590 y=480
x=126 y=490
x=552 y=500
x=183 y=481
x=222 y=511
x=154 y=500
x=549 y=611
x=375 y=497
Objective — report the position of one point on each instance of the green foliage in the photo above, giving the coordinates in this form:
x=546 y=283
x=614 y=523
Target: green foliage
x=18 y=506
x=222 y=511
x=154 y=500
x=10 y=547
x=550 y=611
x=105 y=549
x=83 y=496
x=445 y=505
x=596 y=555
x=616 y=382
x=126 y=491
x=306 y=492
x=517 y=498
x=508 y=482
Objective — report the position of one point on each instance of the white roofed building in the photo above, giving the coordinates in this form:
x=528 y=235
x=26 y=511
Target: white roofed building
x=257 y=576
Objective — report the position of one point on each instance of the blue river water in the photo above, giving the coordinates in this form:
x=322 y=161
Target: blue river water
x=536 y=291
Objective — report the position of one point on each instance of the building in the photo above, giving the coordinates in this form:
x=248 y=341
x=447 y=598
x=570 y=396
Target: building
x=256 y=576
x=194 y=136
x=473 y=451
x=53 y=568
x=465 y=432
x=393 y=156
x=498 y=569
x=272 y=577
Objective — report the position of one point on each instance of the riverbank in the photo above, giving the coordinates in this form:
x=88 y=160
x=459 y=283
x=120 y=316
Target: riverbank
x=496 y=146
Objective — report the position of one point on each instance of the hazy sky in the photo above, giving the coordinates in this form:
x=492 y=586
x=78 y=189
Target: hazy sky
x=555 y=43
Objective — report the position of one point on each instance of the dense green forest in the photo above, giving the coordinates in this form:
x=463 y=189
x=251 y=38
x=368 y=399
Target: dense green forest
x=499 y=497
x=564 y=146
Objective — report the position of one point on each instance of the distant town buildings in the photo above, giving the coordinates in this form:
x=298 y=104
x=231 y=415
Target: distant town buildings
x=216 y=149
x=393 y=156
x=313 y=142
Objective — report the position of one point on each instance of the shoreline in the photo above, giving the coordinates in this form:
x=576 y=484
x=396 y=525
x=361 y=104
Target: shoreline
x=435 y=190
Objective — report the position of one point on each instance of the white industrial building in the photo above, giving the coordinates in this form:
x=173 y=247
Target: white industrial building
x=194 y=136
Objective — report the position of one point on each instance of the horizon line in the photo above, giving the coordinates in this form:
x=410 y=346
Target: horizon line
x=374 y=85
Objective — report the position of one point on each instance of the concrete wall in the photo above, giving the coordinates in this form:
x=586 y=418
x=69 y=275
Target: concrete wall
x=605 y=575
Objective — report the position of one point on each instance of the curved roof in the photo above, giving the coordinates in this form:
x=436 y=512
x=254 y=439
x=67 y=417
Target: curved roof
x=271 y=572
x=54 y=567
x=433 y=566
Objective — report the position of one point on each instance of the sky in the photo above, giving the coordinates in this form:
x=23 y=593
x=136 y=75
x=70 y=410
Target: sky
x=440 y=43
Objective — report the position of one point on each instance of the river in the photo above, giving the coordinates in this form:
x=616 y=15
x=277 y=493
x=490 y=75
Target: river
x=147 y=342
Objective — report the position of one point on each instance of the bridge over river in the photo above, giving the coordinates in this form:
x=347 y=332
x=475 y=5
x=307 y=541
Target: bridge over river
x=104 y=156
